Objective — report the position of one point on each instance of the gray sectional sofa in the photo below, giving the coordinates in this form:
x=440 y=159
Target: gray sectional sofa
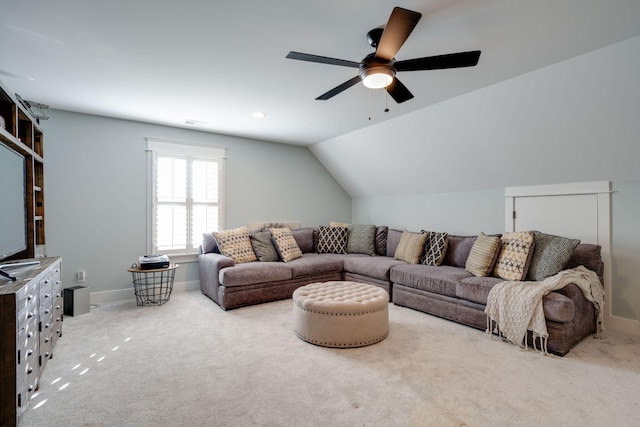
x=447 y=290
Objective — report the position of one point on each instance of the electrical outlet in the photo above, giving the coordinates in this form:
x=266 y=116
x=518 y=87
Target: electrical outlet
x=81 y=277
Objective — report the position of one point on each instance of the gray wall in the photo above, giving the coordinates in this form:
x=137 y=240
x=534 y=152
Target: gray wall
x=575 y=121
x=95 y=192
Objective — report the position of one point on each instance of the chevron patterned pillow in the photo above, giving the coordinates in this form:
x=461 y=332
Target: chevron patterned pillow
x=332 y=240
x=434 y=248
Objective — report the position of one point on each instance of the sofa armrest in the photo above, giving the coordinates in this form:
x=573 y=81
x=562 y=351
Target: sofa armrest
x=585 y=313
x=210 y=266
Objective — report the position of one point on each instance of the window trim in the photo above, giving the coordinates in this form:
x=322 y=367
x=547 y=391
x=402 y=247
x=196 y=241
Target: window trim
x=165 y=146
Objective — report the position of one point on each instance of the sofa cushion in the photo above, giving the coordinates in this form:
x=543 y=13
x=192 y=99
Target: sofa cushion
x=332 y=240
x=236 y=244
x=285 y=244
x=434 y=247
x=381 y=240
x=377 y=267
x=305 y=238
x=361 y=239
x=515 y=255
x=393 y=240
x=483 y=255
x=254 y=272
x=458 y=249
x=316 y=264
x=263 y=246
x=440 y=280
x=556 y=307
x=550 y=254
x=476 y=289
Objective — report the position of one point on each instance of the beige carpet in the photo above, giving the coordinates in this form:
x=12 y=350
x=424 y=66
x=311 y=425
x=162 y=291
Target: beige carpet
x=188 y=363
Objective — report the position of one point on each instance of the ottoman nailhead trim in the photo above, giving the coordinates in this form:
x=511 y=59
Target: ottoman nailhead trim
x=343 y=345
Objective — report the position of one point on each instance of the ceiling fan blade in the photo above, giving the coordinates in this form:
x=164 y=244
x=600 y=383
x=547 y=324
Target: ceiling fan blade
x=451 y=60
x=322 y=59
x=336 y=90
x=401 y=23
x=398 y=91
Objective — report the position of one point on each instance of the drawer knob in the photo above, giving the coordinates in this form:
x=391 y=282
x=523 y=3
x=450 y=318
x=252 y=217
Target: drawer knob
x=29 y=297
x=30 y=370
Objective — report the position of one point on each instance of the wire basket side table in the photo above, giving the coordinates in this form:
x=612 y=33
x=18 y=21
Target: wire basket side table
x=153 y=287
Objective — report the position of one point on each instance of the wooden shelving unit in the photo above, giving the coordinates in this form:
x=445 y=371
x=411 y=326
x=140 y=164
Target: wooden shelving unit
x=23 y=133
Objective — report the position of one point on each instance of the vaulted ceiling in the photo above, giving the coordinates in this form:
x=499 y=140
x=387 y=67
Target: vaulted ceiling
x=214 y=63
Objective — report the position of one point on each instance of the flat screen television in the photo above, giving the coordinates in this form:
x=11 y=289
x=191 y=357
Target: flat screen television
x=13 y=208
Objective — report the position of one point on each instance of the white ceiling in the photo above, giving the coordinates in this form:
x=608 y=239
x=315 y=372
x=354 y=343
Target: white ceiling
x=218 y=61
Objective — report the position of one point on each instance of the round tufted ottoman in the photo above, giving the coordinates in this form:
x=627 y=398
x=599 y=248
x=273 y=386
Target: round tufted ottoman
x=341 y=314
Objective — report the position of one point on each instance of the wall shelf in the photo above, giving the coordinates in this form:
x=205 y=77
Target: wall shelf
x=22 y=133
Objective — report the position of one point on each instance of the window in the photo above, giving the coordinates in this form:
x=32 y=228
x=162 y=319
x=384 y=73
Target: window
x=186 y=196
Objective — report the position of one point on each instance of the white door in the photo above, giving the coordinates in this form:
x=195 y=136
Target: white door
x=573 y=216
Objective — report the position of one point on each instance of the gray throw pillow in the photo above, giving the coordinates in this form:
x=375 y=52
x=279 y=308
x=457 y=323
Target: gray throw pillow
x=550 y=254
x=304 y=239
x=209 y=244
x=263 y=246
x=361 y=239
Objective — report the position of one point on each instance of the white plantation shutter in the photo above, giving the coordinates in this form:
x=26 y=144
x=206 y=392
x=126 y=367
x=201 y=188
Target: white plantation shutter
x=185 y=195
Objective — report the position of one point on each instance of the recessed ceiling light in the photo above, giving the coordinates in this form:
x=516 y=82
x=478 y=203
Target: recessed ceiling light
x=259 y=115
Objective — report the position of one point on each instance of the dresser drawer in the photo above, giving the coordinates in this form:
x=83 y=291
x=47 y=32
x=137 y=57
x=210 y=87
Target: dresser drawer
x=27 y=297
x=27 y=342
x=46 y=297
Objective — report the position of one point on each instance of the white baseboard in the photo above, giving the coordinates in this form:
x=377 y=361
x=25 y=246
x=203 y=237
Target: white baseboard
x=621 y=324
x=129 y=294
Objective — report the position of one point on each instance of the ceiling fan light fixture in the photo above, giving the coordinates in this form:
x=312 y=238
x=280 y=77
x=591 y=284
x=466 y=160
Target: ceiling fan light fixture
x=377 y=77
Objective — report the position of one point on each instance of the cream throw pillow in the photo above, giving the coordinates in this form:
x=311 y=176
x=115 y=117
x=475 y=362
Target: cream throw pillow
x=286 y=244
x=483 y=255
x=411 y=247
x=515 y=255
x=236 y=244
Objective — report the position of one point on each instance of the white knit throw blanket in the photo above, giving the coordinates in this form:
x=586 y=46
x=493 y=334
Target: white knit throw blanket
x=516 y=307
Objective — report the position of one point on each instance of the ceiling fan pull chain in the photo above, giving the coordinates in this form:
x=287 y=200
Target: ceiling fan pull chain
x=386 y=101
x=369 y=104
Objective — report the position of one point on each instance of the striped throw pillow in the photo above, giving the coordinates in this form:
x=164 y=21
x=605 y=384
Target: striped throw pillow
x=411 y=247
x=483 y=255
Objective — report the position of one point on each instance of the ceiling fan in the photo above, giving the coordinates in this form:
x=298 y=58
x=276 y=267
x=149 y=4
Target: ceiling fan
x=378 y=69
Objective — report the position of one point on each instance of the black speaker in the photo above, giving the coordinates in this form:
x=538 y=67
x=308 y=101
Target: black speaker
x=76 y=300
